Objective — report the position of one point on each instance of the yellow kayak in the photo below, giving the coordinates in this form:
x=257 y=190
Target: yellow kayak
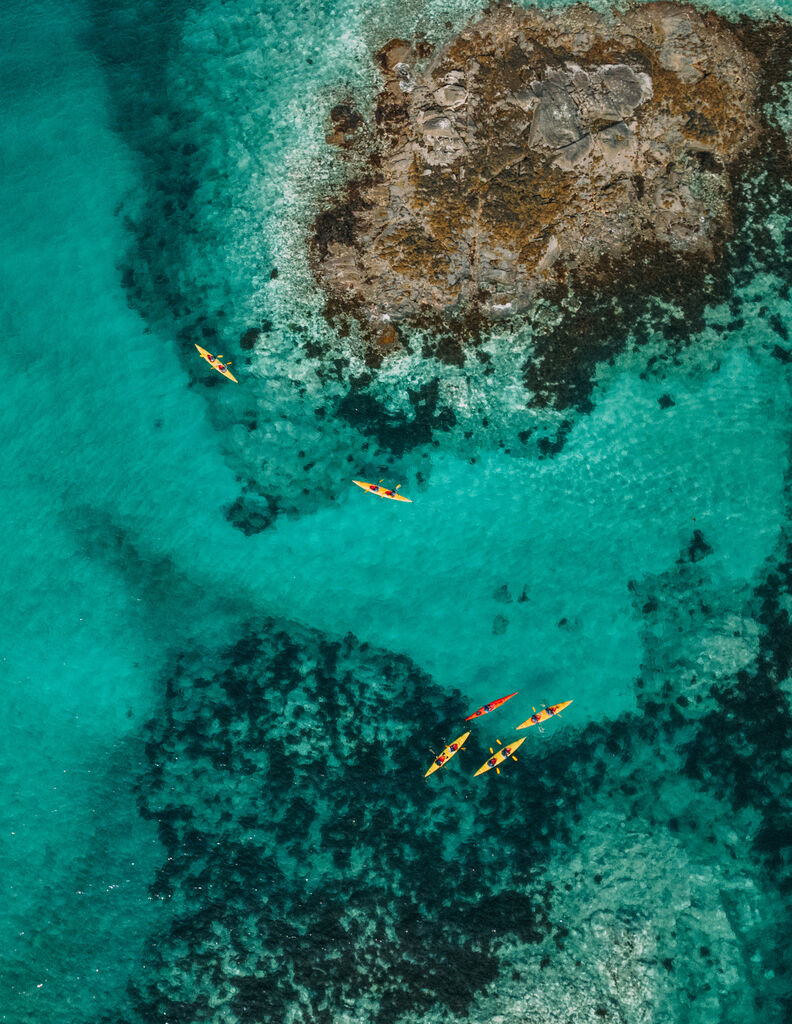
x=542 y=716
x=447 y=753
x=501 y=755
x=214 y=361
x=381 y=492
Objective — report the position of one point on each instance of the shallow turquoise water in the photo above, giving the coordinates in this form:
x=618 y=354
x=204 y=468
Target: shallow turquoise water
x=119 y=465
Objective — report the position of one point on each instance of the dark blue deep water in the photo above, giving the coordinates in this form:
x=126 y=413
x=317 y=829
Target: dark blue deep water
x=225 y=667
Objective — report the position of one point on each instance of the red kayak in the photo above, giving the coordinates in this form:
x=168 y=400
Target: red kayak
x=491 y=706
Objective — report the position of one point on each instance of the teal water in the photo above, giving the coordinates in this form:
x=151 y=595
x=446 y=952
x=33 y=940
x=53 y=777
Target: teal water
x=189 y=763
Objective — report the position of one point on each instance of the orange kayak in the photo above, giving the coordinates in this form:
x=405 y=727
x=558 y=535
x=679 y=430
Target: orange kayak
x=216 y=364
x=541 y=716
x=485 y=710
x=381 y=492
x=447 y=753
x=501 y=755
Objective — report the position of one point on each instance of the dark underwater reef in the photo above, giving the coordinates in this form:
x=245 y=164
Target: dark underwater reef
x=314 y=875
x=303 y=842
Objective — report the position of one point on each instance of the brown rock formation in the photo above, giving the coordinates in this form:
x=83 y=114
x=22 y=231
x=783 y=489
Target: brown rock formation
x=539 y=152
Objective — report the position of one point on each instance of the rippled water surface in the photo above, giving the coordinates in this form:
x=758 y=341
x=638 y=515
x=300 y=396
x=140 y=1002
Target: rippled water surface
x=225 y=667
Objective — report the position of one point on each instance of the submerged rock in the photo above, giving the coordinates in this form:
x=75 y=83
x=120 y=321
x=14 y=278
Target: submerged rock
x=545 y=153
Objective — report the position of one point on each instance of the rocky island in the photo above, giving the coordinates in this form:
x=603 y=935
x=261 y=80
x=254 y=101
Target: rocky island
x=543 y=154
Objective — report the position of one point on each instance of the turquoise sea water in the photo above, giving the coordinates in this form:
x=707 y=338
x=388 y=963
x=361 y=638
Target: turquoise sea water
x=213 y=806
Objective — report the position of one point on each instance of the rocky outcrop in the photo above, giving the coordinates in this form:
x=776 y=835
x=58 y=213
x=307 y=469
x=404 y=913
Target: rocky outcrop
x=540 y=153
